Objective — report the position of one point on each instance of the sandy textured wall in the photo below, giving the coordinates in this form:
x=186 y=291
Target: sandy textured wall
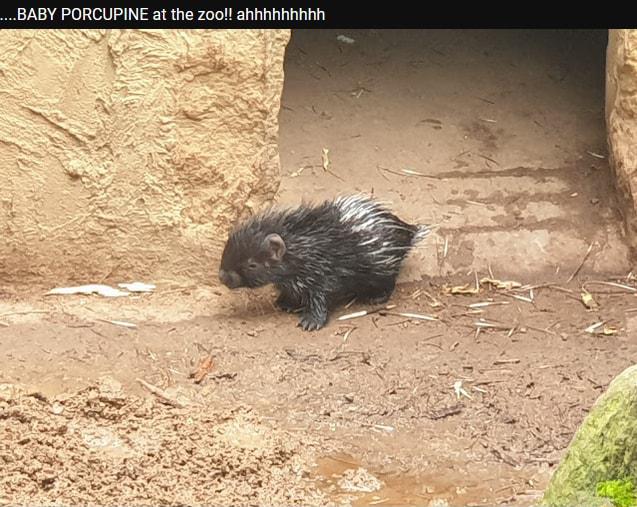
x=621 y=119
x=127 y=154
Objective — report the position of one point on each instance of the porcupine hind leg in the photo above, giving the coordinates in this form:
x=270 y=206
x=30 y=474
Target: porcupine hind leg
x=315 y=313
x=379 y=292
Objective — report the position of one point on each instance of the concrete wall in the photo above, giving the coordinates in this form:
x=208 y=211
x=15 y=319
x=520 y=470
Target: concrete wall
x=127 y=154
x=621 y=120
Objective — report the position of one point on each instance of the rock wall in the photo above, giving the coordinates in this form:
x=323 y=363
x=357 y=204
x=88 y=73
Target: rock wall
x=128 y=154
x=621 y=120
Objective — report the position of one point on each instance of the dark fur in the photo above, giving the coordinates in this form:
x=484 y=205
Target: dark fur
x=315 y=259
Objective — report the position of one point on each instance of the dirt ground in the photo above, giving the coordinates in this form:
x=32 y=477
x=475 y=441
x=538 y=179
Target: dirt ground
x=383 y=409
x=288 y=417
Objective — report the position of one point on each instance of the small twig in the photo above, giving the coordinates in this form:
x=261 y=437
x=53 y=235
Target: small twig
x=397 y=323
x=444 y=412
x=349 y=332
x=120 y=323
x=230 y=375
x=539 y=329
x=581 y=264
x=205 y=366
x=416 y=173
x=350 y=303
x=490 y=381
x=326 y=159
x=397 y=173
x=406 y=172
x=326 y=164
x=593 y=327
x=364 y=313
x=432 y=345
x=569 y=293
x=417 y=316
x=382 y=427
x=354 y=315
x=509 y=460
x=365 y=358
x=505 y=361
x=24 y=313
x=488 y=158
x=300 y=356
x=433 y=302
x=488 y=303
x=558 y=288
x=469 y=313
x=382 y=173
x=160 y=394
x=522 y=298
x=490 y=325
x=97 y=333
x=610 y=284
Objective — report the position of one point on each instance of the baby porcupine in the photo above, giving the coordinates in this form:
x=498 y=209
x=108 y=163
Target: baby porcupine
x=320 y=256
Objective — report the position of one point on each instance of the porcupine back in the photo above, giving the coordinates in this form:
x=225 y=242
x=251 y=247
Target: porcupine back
x=350 y=239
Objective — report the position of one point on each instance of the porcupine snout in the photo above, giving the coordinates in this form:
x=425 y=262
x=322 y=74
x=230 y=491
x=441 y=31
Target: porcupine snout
x=229 y=278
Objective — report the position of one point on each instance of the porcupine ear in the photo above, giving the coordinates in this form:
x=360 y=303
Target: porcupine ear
x=275 y=246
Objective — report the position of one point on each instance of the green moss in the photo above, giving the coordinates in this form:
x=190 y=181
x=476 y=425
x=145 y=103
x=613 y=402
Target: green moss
x=621 y=493
x=605 y=446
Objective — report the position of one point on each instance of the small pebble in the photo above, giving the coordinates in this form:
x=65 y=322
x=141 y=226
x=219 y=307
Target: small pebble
x=57 y=408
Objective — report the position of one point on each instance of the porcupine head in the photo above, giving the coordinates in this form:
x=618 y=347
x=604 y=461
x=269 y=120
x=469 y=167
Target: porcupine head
x=251 y=258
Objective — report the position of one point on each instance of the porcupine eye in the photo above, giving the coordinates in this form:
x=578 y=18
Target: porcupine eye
x=252 y=266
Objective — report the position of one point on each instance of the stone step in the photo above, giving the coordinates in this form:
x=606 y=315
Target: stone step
x=525 y=255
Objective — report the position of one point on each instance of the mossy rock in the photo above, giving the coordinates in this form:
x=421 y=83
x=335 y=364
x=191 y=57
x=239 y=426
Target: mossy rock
x=603 y=449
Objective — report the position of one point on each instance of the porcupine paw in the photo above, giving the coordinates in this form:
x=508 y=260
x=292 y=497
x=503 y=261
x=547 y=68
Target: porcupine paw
x=380 y=299
x=287 y=304
x=310 y=322
x=379 y=295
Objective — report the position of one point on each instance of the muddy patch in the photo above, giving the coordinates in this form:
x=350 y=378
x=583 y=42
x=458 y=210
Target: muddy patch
x=103 y=447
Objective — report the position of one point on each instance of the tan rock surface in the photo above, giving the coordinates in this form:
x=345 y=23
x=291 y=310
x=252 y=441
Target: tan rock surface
x=621 y=119
x=128 y=154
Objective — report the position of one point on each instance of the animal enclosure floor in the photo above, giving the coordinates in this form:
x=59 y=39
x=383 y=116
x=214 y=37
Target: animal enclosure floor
x=496 y=136
x=362 y=412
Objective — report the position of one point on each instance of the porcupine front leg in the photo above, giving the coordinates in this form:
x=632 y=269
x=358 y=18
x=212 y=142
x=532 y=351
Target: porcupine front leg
x=315 y=313
x=288 y=301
